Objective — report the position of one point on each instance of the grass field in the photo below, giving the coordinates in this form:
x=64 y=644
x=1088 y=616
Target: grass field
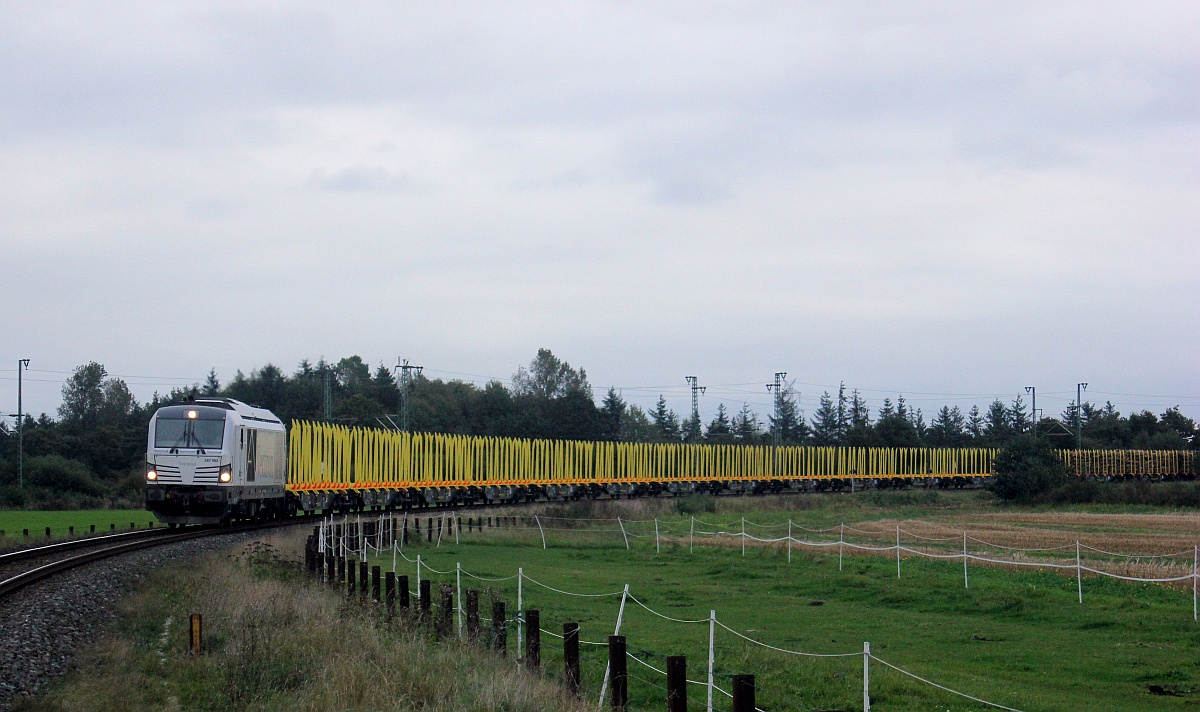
x=12 y=522
x=1016 y=637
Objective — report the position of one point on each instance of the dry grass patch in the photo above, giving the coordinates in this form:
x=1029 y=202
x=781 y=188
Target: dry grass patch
x=276 y=641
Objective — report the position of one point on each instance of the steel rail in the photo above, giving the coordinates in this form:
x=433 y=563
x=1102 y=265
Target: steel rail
x=80 y=543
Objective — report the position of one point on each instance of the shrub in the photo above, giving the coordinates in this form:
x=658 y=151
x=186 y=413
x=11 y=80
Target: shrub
x=695 y=504
x=1026 y=469
x=61 y=475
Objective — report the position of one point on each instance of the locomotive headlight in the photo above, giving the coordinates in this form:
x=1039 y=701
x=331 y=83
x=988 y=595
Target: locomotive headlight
x=226 y=473
x=151 y=475
x=192 y=415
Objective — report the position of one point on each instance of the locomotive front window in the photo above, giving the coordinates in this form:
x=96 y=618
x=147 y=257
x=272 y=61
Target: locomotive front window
x=183 y=432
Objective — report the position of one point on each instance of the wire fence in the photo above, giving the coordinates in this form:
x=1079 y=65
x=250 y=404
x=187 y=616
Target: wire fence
x=354 y=542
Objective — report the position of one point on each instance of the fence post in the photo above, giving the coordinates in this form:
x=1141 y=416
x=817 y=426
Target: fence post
x=789 y=540
x=966 y=582
x=743 y=693
x=472 y=615
x=389 y=593
x=458 y=588
x=743 y=537
x=533 y=639
x=341 y=564
x=676 y=683
x=692 y=536
x=618 y=672
x=623 y=534
x=616 y=630
x=571 y=656
x=520 y=605
x=657 y=548
x=402 y=590
x=425 y=596
x=897 y=551
x=841 y=540
x=445 y=620
x=540 y=530
x=866 y=677
x=351 y=584
x=1195 y=568
x=195 y=634
x=375 y=571
x=499 y=628
x=363 y=575
x=712 y=636
x=1078 y=571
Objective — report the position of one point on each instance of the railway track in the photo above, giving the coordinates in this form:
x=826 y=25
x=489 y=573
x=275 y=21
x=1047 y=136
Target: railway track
x=19 y=569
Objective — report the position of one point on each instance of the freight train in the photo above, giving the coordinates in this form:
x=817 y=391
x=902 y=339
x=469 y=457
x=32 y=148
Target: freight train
x=216 y=460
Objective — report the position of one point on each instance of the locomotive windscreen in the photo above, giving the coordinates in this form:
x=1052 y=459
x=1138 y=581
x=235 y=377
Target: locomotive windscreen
x=189 y=427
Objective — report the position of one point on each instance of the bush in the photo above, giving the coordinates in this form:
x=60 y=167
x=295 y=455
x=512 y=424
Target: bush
x=1027 y=469
x=61 y=475
x=695 y=504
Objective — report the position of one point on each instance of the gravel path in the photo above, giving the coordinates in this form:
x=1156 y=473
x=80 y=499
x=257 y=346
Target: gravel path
x=41 y=626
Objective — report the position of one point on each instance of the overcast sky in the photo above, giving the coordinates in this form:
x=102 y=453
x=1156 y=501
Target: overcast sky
x=949 y=200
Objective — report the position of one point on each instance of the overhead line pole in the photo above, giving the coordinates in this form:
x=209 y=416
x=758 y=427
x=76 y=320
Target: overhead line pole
x=406 y=376
x=22 y=365
x=1079 y=389
x=776 y=433
x=1033 y=391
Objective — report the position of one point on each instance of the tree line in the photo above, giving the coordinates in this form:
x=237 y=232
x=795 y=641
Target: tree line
x=95 y=445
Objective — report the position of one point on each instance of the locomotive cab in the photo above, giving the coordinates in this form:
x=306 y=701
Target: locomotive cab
x=216 y=460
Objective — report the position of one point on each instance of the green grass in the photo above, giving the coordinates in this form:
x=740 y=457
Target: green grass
x=14 y=521
x=1017 y=638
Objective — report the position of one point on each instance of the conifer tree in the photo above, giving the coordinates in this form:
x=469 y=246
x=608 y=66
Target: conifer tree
x=666 y=422
x=825 y=421
x=975 y=423
x=720 y=430
x=212 y=386
x=612 y=412
x=746 y=426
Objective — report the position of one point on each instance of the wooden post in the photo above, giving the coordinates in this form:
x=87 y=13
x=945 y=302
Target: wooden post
x=676 y=683
x=472 y=615
x=499 y=628
x=71 y=531
x=341 y=563
x=402 y=592
x=618 y=677
x=389 y=593
x=375 y=572
x=195 y=635
x=743 y=693
x=571 y=656
x=351 y=584
x=425 y=599
x=429 y=520
x=533 y=639
x=362 y=580
x=446 y=619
